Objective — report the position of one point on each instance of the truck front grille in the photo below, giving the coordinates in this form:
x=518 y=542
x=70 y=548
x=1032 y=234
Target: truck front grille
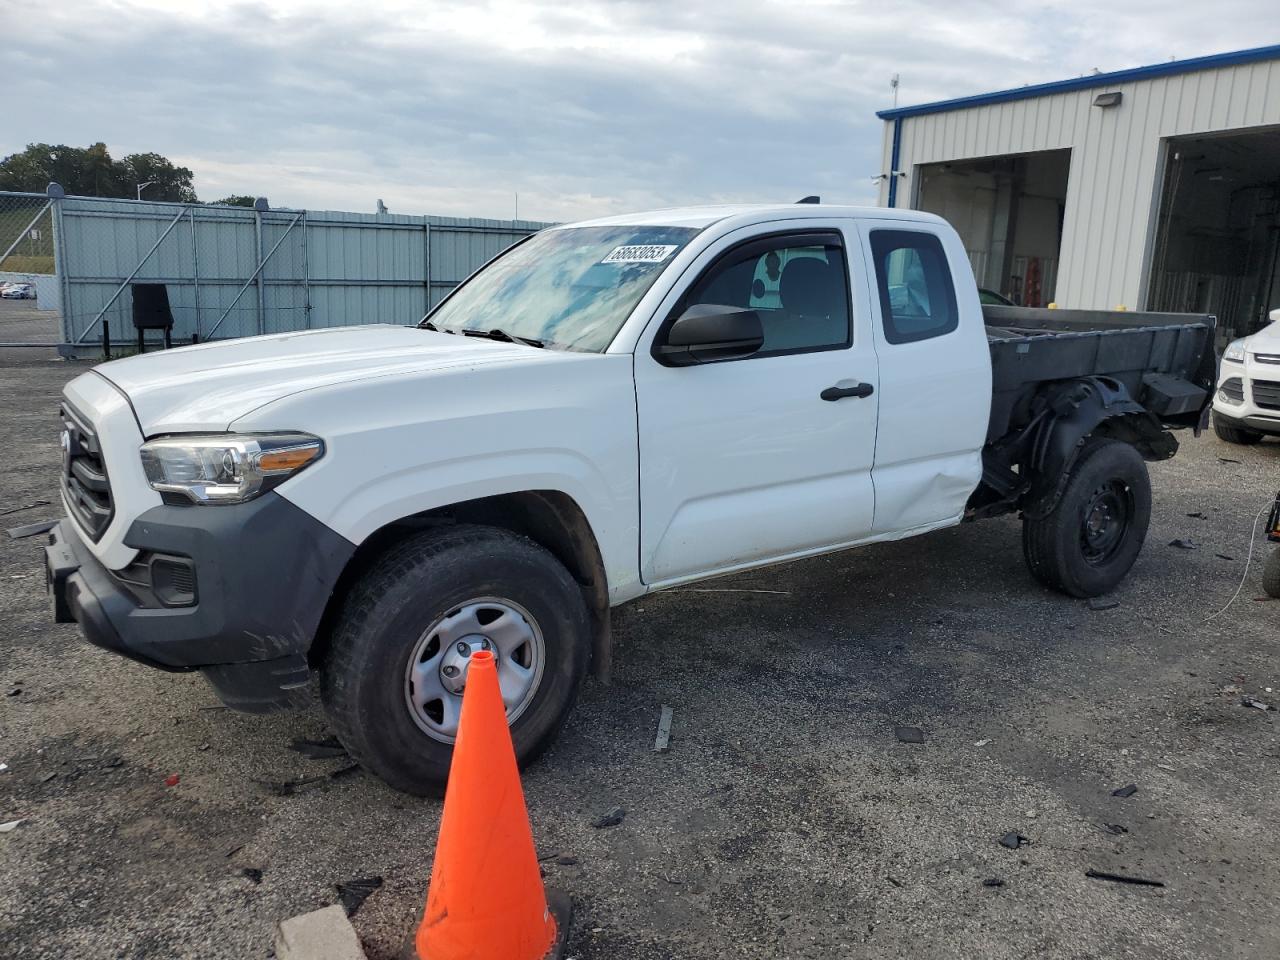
x=84 y=474
x=1267 y=357
x=1266 y=393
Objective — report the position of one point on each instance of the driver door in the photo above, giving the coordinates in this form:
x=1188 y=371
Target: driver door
x=743 y=461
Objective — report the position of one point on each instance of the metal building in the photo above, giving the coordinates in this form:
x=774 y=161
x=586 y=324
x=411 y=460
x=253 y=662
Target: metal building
x=1152 y=188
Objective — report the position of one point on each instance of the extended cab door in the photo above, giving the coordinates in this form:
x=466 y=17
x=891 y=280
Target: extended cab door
x=743 y=461
x=935 y=373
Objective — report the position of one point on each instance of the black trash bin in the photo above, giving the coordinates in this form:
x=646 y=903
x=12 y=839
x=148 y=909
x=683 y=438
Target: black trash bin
x=151 y=312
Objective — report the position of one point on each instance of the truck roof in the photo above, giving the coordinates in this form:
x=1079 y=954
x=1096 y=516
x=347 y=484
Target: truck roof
x=748 y=213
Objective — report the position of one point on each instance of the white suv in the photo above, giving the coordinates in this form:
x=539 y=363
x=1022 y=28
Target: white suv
x=1246 y=405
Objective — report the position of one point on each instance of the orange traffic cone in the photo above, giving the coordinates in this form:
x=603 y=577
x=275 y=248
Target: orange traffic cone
x=486 y=900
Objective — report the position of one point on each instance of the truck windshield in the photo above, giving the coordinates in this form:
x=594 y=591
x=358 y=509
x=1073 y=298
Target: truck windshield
x=571 y=287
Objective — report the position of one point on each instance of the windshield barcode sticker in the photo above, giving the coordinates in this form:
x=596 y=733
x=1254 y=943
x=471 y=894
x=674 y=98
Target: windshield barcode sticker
x=640 y=253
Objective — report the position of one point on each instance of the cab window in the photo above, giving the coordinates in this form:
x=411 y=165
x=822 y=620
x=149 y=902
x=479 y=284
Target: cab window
x=799 y=286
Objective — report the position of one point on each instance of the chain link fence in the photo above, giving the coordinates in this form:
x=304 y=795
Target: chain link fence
x=235 y=271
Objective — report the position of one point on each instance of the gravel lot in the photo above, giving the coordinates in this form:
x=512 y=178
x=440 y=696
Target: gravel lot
x=786 y=821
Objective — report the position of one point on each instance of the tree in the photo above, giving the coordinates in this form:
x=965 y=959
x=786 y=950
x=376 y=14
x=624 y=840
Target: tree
x=236 y=200
x=91 y=172
x=167 y=181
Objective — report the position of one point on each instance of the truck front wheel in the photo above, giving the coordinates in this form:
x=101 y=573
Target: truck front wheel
x=1086 y=544
x=394 y=675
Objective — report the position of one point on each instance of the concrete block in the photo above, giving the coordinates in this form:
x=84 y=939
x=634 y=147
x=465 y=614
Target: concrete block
x=320 y=935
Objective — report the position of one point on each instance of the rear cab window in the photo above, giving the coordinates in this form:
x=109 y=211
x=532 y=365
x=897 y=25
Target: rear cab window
x=917 y=297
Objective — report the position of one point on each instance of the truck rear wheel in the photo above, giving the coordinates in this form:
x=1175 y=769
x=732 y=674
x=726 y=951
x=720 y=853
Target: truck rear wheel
x=1271 y=575
x=393 y=678
x=1231 y=434
x=1086 y=544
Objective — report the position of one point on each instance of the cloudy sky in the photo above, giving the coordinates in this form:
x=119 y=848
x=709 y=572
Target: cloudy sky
x=583 y=108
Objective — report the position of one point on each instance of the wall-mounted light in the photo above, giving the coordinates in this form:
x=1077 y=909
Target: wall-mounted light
x=1108 y=99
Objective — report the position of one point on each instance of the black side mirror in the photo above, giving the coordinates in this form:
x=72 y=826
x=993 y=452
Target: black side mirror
x=709 y=332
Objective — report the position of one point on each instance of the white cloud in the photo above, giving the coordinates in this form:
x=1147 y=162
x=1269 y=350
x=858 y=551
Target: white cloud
x=453 y=106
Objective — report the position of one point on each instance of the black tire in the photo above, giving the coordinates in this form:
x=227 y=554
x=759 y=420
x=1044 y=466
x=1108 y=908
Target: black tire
x=1087 y=543
x=1231 y=434
x=1271 y=575
x=404 y=593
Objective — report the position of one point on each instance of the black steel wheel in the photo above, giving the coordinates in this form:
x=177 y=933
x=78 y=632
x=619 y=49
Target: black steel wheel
x=1088 y=541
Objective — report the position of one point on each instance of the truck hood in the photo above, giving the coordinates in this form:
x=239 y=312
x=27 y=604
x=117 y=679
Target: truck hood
x=211 y=385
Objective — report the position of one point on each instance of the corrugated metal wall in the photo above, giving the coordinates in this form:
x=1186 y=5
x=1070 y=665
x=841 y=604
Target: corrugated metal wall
x=327 y=269
x=1116 y=156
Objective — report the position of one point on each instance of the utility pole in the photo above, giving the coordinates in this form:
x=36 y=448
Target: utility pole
x=143 y=186
x=893 y=85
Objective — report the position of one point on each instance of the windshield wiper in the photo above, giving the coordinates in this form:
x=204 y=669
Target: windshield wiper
x=497 y=333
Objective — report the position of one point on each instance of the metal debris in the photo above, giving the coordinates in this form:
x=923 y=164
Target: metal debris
x=28 y=506
x=326 y=749
x=1184 y=544
x=981 y=743
x=610 y=819
x=1255 y=703
x=663 y=742
x=1128 y=791
x=1013 y=840
x=353 y=893
x=1121 y=878
x=11 y=825
x=287 y=788
x=1115 y=828
x=909 y=734
x=993 y=882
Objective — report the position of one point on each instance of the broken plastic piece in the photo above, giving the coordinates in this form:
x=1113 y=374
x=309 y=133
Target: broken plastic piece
x=610 y=819
x=663 y=742
x=1255 y=703
x=1183 y=544
x=172 y=780
x=11 y=825
x=1128 y=791
x=31 y=529
x=353 y=893
x=1013 y=840
x=909 y=734
x=1102 y=603
x=993 y=882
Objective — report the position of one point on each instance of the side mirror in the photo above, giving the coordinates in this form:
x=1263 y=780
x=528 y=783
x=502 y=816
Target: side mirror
x=709 y=332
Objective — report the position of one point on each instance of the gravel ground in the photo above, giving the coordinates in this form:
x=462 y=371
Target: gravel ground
x=786 y=820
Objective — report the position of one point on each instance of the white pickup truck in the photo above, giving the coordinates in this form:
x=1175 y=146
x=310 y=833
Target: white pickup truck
x=606 y=409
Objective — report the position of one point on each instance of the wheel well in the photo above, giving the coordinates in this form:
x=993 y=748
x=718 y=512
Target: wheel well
x=547 y=517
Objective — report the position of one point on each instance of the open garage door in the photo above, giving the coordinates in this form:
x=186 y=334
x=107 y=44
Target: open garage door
x=1008 y=211
x=1217 y=240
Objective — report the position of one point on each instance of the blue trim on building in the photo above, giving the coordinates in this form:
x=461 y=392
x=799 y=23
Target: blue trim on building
x=893 y=162
x=1083 y=83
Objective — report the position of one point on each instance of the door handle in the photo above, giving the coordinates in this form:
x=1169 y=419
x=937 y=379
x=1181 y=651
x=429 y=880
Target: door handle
x=847 y=388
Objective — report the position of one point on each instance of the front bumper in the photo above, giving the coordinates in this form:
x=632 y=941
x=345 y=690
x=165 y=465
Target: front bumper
x=263 y=571
x=1259 y=421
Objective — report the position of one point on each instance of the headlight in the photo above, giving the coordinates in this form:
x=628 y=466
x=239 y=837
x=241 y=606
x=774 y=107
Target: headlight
x=1234 y=351
x=226 y=468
